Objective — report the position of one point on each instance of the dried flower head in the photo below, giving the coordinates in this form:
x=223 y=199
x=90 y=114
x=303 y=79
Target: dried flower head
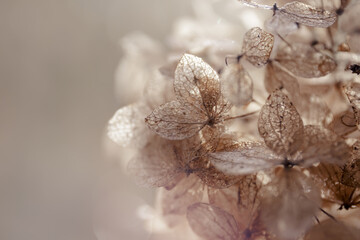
x=199 y=101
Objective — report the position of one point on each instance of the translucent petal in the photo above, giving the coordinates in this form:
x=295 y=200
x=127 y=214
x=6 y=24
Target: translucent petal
x=257 y=46
x=313 y=109
x=322 y=145
x=156 y=165
x=175 y=120
x=242 y=200
x=127 y=126
x=280 y=25
x=280 y=124
x=188 y=191
x=210 y=175
x=289 y=203
x=197 y=83
x=304 y=61
x=307 y=15
x=249 y=158
x=212 y=223
x=237 y=85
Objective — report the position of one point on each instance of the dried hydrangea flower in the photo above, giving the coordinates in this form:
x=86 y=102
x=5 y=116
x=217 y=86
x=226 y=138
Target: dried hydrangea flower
x=328 y=177
x=304 y=61
x=199 y=101
x=288 y=142
x=257 y=46
x=237 y=85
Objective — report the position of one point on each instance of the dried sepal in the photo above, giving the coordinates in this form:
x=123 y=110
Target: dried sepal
x=322 y=145
x=304 y=61
x=127 y=126
x=188 y=191
x=175 y=120
x=199 y=101
x=280 y=124
x=307 y=15
x=237 y=85
x=197 y=83
x=212 y=223
x=155 y=165
x=289 y=203
x=328 y=178
x=249 y=158
x=257 y=46
x=352 y=91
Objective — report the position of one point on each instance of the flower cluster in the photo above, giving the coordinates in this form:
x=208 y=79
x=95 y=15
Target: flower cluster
x=252 y=135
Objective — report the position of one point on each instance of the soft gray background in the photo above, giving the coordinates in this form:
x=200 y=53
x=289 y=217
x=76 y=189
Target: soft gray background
x=57 y=64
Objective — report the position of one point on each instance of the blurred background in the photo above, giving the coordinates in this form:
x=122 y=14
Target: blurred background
x=57 y=64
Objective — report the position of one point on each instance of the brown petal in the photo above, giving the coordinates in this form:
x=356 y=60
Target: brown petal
x=280 y=124
x=212 y=223
x=237 y=85
x=196 y=82
x=175 y=120
x=307 y=15
x=304 y=61
x=257 y=46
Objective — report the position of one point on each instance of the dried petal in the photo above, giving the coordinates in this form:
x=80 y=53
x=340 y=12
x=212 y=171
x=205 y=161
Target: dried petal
x=175 y=120
x=212 y=223
x=242 y=200
x=352 y=91
x=249 y=158
x=304 y=61
x=312 y=109
x=257 y=46
x=280 y=124
x=188 y=191
x=156 y=165
x=237 y=85
x=289 y=203
x=307 y=15
x=322 y=145
x=197 y=83
x=280 y=25
x=127 y=126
